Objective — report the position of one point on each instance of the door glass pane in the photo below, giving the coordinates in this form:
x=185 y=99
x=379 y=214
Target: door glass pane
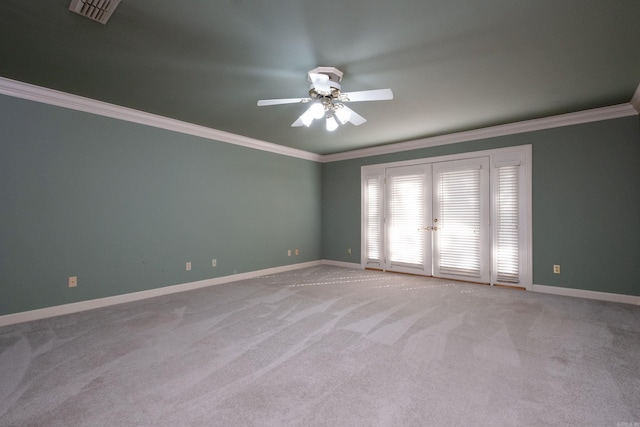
x=406 y=217
x=374 y=219
x=507 y=223
x=459 y=222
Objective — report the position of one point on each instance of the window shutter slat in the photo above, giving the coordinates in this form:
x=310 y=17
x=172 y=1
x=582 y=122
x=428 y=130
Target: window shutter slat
x=508 y=233
x=374 y=219
x=459 y=222
x=406 y=213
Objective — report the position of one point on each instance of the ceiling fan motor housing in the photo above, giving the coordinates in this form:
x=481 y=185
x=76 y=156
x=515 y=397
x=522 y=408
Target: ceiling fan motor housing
x=334 y=92
x=334 y=87
x=334 y=74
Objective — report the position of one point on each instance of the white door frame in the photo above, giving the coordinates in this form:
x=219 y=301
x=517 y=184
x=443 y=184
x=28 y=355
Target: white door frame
x=521 y=154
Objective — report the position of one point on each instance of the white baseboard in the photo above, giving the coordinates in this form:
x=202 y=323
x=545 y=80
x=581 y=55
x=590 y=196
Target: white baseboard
x=59 y=310
x=76 y=307
x=581 y=293
x=342 y=264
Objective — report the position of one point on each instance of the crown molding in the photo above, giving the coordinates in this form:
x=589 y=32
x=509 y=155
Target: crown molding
x=587 y=116
x=61 y=99
x=635 y=101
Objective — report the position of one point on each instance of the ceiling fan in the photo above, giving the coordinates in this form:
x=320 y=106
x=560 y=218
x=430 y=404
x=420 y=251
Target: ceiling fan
x=328 y=101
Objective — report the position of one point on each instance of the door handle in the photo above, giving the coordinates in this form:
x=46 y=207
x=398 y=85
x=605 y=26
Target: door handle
x=425 y=229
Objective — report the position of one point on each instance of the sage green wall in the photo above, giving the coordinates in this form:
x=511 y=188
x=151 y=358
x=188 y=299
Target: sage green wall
x=586 y=203
x=124 y=206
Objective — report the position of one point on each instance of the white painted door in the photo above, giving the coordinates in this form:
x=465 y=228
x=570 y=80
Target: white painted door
x=408 y=219
x=460 y=226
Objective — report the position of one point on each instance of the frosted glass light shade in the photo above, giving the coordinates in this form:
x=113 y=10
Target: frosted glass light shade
x=317 y=110
x=307 y=117
x=331 y=124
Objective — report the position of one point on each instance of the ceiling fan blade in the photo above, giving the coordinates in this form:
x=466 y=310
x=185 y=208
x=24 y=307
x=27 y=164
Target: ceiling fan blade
x=367 y=95
x=265 y=102
x=320 y=82
x=355 y=118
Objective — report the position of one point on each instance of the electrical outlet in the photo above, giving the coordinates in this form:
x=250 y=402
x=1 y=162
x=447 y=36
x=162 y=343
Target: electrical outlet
x=297 y=252
x=73 y=281
x=556 y=269
x=289 y=252
x=188 y=266
x=214 y=262
x=349 y=251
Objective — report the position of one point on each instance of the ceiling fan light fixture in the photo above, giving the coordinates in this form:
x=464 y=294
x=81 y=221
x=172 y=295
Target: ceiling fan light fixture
x=343 y=114
x=328 y=101
x=331 y=124
x=317 y=110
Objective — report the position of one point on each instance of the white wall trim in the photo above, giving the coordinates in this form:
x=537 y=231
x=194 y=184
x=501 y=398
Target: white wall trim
x=597 y=114
x=352 y=265
x=76 y=307
x=61 y=99
x=635 y=101
x=581 y=293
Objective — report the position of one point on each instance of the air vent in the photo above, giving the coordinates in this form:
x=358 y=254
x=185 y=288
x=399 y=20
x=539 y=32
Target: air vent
x=96 y=10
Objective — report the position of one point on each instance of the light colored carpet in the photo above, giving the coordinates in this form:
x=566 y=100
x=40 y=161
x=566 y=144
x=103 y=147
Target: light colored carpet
x=328 y=346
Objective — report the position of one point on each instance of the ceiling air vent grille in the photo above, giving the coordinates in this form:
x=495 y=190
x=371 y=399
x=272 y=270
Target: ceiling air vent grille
x=97 y=10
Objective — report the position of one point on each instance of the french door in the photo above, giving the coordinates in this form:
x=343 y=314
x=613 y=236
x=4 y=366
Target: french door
x=461 y=217
x=437 y=219
x=460 y=227
x=408 y=216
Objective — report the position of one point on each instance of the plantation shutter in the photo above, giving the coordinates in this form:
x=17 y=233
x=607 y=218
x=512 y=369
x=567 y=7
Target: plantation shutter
x=507 y=224
x=374 y=219
x=459 y=223
x=406 y=218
